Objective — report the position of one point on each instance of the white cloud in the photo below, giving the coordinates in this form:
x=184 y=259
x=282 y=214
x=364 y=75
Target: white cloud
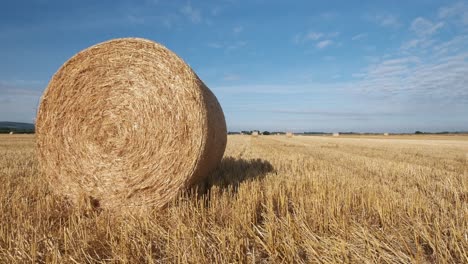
x=423 y=44
x=424 y=31
x=424 y=27
x=193 y=14
x=313 y=36
x=324 y=43
x=322 y=40
x=453 y=10
x=452 y=46
x=457 y=13
x=431 y=78
x=359 y=36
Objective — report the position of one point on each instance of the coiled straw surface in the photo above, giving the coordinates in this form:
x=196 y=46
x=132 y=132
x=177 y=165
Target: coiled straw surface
x=127 y=123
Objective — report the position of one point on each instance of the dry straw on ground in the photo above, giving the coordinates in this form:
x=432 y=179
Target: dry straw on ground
x=127 y=123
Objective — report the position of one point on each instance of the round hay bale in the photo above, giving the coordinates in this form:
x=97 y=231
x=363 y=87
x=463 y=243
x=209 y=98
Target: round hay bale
x=289 y=134
x=11 y=133
x=255 y=134
x=127 y=123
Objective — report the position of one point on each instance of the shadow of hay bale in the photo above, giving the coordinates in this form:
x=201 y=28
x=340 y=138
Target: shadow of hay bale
x=231 y=172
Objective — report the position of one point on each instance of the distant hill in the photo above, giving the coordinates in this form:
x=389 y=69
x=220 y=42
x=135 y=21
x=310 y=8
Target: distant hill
x=16 y=127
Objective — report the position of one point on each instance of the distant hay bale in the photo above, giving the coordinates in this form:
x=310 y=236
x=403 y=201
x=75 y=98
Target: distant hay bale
x=336 y=134
x=11 y=133
x=289 y=134
x=127 y=123
x=255 y=134
x=385 y=134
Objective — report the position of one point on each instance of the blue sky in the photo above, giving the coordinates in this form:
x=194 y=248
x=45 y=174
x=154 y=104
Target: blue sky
x=393 y=66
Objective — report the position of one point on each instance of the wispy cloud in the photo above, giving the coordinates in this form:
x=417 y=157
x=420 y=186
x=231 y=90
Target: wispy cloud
x=424 y=27
x=456 y=13
x=321 y=40
x=433 y=79
x=314 y=36
x=425 y=32
x=386 y=20
x=359 y=36
x=193 y=14
x=324 y=43
x=228 y=46
x=453 y=46
x=455 y=9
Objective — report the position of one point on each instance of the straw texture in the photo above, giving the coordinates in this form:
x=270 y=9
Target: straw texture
x=127 y=123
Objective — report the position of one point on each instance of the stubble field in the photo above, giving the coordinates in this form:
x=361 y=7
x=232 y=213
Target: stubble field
x=273 y=199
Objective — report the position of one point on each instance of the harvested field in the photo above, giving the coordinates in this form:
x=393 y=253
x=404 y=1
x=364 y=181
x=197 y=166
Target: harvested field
x=273 y=199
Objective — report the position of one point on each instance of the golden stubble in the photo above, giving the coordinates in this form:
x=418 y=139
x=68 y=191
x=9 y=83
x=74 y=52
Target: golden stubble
x=272 y=199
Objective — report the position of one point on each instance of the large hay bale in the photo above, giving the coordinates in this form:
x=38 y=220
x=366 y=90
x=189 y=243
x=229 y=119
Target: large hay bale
x=255 y=134
x=289 y=134
x=127 y=123
x=336 y=134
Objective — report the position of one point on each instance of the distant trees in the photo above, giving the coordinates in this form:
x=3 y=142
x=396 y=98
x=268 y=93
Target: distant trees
x=6 y=130
x=266 y=133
